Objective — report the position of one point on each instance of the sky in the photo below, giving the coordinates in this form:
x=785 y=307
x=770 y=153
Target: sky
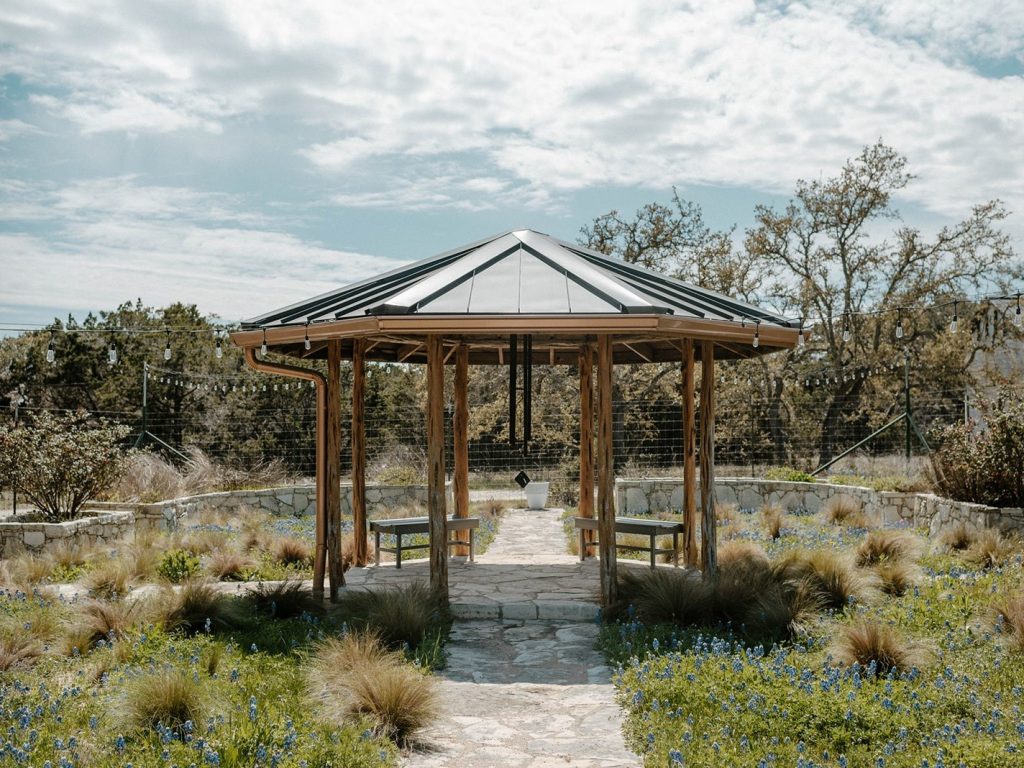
x=243 y=155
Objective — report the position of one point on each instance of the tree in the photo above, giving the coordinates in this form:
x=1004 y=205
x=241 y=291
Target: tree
x=845 y=278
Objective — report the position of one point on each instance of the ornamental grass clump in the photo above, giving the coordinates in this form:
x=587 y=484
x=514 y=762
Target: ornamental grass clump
x=285 y=600
x=230 y=565
x=887 y=546
x=110 y=578
x=844 y=510
x=877 y=647
x=664 y=596
x=772 y=518
x=991 y=549
x=197 y=606
x=897 y=577
x=108 y=620
x=959 y=538
x=401 y=616
x=18 y=649
x=356 y=676
x=829 y=576
x=1008 y=617
x=171 y=698
x=291 y=551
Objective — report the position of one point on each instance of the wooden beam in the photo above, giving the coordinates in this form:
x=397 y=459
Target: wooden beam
x=605 y=473
x=689 y=459
x=460 y=440
x=708 y=532
x=359 y=530
x=436 y=511
x=586 y=506
x=332 y=473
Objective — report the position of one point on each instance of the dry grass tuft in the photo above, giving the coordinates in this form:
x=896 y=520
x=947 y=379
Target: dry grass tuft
x=844 y=510
x=197 y=606
x=348 y=550
x=169 y=698
x=887 y=546
x=26 y=569
x=229 y=565
x=959 y=538
x=667 y=595
x=97 y=620
x=830 y=577
x=725 y=514
x=878 y=646
x=373 y=682
x=401 y=616
x=738 y=553
x=897 y=577
x=18 y=649
x=111 y=578
x=285 y=600
x=291 y=551
x=203 y=542
x=772 y=517
x=1008 y=618
x=992 y=549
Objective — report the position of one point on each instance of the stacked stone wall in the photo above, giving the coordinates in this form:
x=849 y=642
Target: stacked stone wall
x=102 y=528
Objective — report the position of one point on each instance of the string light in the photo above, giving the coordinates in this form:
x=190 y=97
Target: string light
x=800 y=340
x=112 y=353
x=305 y=341
x=899 y=323
x=51 y=354
x=846 y=327
x=1016 y=315
x=757 y=334
x=219 y=352
x=167 y=347
x=263 y=346
x=954 y=324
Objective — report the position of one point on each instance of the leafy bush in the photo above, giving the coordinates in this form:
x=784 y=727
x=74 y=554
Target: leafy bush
x=983 y=465
x=176 y=565
x=59 y=462
x=789 y=474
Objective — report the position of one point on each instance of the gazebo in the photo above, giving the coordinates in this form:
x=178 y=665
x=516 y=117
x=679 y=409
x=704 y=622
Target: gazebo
x=519 y=298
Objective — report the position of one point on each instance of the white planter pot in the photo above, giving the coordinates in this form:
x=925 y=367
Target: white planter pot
x=536 y=495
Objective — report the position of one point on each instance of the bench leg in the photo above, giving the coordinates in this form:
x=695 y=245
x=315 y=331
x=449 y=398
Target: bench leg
x=471 y=545
x=583 y=546
x=675 y=549
x=376 y=546
x=398 y=550
x=654 y=549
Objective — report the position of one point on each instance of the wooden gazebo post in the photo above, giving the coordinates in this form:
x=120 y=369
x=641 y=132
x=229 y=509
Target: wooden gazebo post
x=586 y=505
x=332 y=473
x=460 y=441
x=689 y=460
x=436 y=512
x=708 y=534
x=359 y=451
x=605 y=474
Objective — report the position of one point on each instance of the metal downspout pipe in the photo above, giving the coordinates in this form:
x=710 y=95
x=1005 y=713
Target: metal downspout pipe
x=296 y=372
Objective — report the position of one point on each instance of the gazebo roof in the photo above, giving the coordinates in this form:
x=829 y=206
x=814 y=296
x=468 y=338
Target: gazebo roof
x=521 y=281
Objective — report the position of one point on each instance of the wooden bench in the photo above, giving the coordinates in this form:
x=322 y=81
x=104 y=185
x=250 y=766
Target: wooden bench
x=639 y=525
x=405 y=526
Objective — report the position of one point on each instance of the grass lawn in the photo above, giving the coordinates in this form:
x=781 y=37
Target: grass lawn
x=819 y=649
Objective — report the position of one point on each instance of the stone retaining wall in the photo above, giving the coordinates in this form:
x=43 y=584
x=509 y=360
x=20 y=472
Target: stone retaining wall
x=103 y=528
x=654 y=495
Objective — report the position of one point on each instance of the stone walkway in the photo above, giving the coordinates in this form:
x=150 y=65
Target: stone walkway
x=526 y=573
x=522 y=691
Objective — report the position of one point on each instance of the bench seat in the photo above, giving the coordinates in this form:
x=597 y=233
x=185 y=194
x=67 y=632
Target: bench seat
x=406 y=526
x=637 y=525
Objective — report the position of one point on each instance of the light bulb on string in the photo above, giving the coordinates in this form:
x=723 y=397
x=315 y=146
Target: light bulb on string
x=757 y=335
x=167 y=347
x=1017 y=315
x=112 y=353
x=800 y=340
x=51 y=354
x=305 y=341
x=846 y=328
x=263 y=346
x=899 y=324
x=955 y=322
x=219 y=351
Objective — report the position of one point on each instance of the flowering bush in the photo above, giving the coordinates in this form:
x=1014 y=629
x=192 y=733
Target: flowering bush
x=59 y=462
x=984 y=465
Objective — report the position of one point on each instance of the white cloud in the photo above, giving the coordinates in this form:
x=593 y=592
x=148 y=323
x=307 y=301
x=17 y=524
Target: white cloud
x=112 y=240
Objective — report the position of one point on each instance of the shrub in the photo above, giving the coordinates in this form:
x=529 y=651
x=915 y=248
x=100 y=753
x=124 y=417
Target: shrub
x=843 y=510
x=290 y=551
x=59 y=462
x=285 y=600
x=402 y=616
x=877 y=646
x=176 y=565
x=169 y=698
x=983 y=465
x=887 y=546
x=374 y=683
x=772 y=518
x=789 y=474
x=197 y=607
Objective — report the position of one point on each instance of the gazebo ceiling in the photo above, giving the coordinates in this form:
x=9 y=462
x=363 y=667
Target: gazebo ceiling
x=521 y=282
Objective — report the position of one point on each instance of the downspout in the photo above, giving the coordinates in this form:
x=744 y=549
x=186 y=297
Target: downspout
x=296 y=372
